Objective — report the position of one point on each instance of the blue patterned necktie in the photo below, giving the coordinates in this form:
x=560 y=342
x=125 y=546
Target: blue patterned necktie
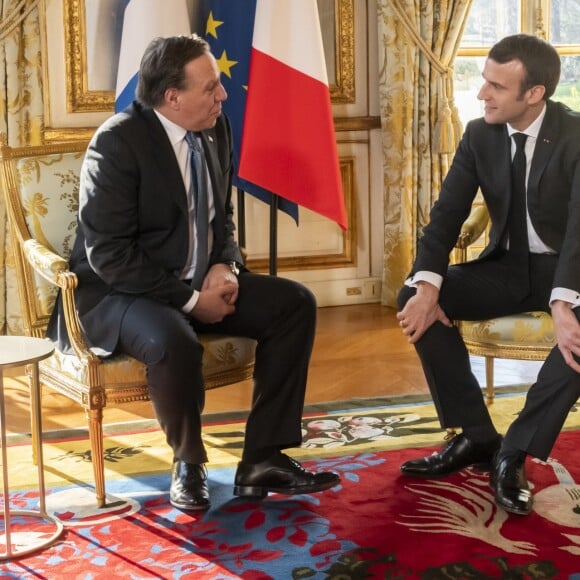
x=199 y=189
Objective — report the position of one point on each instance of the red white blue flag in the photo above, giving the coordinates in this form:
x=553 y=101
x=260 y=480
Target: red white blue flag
x=271 y=57
x=289 y=143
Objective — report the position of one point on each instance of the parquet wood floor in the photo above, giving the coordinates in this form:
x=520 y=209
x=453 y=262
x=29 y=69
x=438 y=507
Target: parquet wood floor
x=359 y=351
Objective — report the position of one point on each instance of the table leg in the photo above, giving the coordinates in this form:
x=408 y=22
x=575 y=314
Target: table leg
x=36 y=418
x=5 y=486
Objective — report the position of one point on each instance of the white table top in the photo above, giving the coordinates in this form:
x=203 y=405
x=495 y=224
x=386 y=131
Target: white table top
x=21 y=350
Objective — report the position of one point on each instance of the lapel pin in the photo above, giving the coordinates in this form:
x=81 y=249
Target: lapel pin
x=546 y=140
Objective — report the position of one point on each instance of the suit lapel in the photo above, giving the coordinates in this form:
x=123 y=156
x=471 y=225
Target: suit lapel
x=543 y=150
x=217 y=184
x=161 y=151
x=505 y=174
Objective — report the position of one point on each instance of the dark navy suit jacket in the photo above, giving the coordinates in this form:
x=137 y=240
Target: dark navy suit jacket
x=483 y=162
x=132 y=237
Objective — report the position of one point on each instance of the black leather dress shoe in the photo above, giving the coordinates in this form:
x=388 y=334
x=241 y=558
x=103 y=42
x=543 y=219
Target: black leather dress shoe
x=459 y=453
x=280 y=474
x=510 y=485
x=189 y=489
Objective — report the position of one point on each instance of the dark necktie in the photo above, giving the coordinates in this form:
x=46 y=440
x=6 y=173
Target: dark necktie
x=199 y=190
x=517 y=224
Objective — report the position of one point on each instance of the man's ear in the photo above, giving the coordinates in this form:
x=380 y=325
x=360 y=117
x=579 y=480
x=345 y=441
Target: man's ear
x=171 y=97
x=537 y=93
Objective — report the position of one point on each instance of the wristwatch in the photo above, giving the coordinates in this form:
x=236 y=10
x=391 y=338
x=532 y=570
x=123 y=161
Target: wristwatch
x=234 y=267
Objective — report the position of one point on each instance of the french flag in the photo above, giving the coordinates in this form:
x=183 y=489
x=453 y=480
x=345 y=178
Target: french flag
x=288 y=143
x=143 y=21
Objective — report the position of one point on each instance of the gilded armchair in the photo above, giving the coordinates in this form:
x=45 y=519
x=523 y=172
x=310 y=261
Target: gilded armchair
x=41 y=186
x=526 y=336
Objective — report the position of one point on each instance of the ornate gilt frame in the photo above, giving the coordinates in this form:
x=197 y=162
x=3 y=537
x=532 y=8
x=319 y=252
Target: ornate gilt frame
x=342 y=91
x=80 y=99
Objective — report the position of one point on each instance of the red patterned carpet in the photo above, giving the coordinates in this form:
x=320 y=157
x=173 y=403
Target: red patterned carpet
x=376 y=524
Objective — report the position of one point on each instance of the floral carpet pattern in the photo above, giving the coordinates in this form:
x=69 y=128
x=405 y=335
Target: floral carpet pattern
x=375 y=524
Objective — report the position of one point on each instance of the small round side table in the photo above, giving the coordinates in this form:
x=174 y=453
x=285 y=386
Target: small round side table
x=18 y=351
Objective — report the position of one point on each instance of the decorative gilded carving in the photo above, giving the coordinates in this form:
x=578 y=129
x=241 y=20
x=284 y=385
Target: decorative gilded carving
x=79 y=99
x=343 y=91
x=539 y=24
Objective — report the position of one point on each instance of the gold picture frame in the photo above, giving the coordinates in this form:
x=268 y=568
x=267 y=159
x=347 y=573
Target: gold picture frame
x=343 y=259
x=79 y=97
x=338 y=36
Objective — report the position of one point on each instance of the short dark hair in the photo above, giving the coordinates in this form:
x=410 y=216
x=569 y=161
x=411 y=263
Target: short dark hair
x=162 y=66
x=540 y=60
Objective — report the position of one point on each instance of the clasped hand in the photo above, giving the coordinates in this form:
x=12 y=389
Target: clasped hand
x=218 y=295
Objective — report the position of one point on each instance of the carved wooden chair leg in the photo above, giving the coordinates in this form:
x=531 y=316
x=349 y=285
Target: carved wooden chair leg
x=95 y=420
x=450 y=432
x=489 y=385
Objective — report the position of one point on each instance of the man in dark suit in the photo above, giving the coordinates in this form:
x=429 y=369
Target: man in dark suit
x=138 y=260
x=532 y=263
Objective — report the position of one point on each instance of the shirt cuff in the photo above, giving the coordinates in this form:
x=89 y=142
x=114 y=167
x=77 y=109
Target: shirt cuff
x=565 y=295
x=424 y=276
x=190 y=304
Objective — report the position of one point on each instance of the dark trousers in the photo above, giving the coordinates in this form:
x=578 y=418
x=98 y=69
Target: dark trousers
x=477 y=291
x=278 y=313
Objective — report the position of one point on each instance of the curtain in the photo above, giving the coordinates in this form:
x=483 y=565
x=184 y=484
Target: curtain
x=418 y=41
x=21 y=121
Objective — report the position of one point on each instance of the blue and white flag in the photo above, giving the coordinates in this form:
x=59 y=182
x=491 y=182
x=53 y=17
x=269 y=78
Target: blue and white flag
x=143 y=21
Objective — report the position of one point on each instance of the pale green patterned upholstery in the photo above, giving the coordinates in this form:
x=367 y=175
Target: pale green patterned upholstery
x=41 y=186
x=49 y=190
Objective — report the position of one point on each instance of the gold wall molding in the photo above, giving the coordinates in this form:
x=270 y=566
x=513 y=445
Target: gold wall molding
x=343 y=89
x=345 y=258
x=79 y=98
x=356 y=123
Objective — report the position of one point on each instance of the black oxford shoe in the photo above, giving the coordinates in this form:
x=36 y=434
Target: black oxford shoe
x=510 y=485
x=280 y=474
x=189 y=489
x=459 y=453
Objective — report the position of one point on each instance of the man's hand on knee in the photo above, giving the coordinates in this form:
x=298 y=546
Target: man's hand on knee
x=567 y=330
x=421 y=311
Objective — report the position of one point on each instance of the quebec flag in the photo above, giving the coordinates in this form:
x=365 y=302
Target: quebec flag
x=143 y=21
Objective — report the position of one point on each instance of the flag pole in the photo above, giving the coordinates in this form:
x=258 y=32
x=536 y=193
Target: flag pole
x=241 y=218
x=273 y=228
x=273 y=235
